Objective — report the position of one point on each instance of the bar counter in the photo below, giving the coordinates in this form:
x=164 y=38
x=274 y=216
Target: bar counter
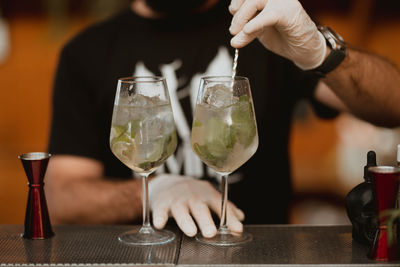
x=272 y=245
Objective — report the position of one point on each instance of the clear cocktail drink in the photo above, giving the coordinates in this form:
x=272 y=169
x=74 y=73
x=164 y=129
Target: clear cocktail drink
x=225 y=137
x=143 y=137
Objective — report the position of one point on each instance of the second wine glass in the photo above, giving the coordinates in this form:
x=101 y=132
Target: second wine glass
x=224 y=136
x=143 y=136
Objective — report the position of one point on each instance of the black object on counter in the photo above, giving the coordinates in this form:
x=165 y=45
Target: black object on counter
x=360 y=206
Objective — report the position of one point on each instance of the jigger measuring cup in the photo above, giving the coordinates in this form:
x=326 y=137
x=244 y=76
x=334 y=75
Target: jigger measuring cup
x=37 y=221
x=385 y=184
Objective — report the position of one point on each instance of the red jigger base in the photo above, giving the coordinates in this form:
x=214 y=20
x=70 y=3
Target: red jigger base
x=37 y=220
x=381 y=250
x=385 y=187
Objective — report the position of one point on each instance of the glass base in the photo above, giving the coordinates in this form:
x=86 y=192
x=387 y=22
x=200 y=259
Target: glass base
x=146 y=236
x=226 y=238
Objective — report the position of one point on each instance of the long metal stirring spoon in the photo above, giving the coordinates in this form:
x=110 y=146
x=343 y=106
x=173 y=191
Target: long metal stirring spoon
x=235 y=59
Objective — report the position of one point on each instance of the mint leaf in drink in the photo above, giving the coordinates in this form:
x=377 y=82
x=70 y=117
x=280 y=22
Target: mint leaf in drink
x=205 y=155
x=243 y=124
x=170 y=144
x=218 y=143
x=244 y=98
x=197 y=123
x=162 y=147
x=219 y=138
x=134 y=126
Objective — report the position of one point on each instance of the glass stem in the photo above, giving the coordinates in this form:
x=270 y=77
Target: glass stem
x=146 y=227
x=224 y=192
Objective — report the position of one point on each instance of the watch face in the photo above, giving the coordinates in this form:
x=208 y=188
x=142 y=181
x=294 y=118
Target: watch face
x=336 y=56
x=338 y=38
x=335 y=40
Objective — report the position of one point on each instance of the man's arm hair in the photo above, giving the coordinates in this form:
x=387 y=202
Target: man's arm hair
x=77 y=192
x=368 y=86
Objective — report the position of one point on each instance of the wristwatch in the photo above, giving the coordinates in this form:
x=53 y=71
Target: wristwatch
x=338 y=51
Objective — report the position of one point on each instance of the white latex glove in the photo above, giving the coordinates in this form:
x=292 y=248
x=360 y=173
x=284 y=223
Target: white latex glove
x=282 y=26
x=183 y=198
x=4 y=41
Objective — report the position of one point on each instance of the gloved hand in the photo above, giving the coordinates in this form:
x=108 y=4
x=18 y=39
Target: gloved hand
x=184 y=198
x=282 y=26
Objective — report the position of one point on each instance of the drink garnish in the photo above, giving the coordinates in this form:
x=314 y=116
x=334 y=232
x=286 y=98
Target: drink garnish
x=220 y=137
x=242 y=118
x=197 y=123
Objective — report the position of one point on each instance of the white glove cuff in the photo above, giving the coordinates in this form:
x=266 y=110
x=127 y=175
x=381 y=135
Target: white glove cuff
x=319 y=55
x=156 y=182
x=163 y=182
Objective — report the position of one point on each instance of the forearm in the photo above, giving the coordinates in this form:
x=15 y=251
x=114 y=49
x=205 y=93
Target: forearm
x=94 y=201
x=366 y=84
x=369 y=86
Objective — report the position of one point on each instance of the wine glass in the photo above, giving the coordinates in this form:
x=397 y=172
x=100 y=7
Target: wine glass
x=143 y=136
x=224 y=136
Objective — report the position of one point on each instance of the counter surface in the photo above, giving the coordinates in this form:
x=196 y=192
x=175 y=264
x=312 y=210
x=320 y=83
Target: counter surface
x=272 y=245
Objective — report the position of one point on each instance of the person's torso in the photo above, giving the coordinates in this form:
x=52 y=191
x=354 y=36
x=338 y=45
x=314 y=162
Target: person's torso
x=182 y=54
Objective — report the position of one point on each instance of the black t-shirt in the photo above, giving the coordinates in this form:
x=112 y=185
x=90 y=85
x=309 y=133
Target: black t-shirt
x=182 y=49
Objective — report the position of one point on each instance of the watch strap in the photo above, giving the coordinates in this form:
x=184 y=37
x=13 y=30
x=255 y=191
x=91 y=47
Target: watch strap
x=333 y=60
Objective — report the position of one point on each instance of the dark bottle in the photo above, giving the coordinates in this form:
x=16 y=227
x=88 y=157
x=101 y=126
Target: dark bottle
x=360 y=206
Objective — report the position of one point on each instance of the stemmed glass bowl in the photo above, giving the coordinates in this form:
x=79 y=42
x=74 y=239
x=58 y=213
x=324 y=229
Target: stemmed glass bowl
x=224 y=136
x=142 y=137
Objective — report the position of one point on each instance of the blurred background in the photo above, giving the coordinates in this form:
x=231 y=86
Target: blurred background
x=327 y=156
